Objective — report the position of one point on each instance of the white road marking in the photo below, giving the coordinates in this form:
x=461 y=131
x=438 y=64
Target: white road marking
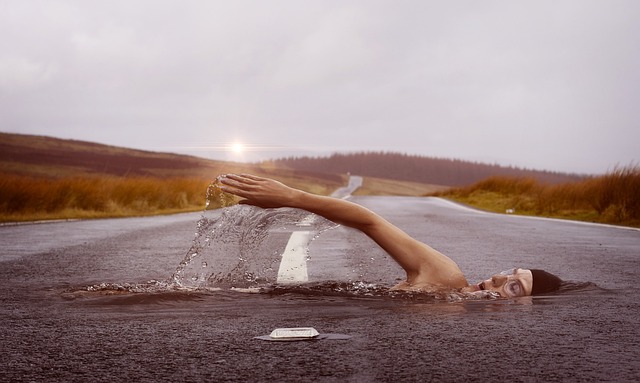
x=293 y=267
x=307 y=221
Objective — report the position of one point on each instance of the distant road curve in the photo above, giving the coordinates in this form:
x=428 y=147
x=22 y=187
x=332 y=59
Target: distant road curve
x=344 y=192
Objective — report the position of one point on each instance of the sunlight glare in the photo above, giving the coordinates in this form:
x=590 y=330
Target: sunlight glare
x=237 y=148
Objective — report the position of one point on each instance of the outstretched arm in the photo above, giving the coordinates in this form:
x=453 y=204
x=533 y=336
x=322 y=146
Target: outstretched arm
x=423 y=264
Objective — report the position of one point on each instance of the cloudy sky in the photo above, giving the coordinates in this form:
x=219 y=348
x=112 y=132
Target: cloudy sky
x=551 y=85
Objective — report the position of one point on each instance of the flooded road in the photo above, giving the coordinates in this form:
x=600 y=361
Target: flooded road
x=54 y=328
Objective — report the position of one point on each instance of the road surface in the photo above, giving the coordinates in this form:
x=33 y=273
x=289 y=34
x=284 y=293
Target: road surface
x=54 y=330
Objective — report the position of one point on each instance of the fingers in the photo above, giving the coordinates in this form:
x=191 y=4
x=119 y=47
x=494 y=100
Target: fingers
x=246 y=179
x=237 y=185
x=233 y=180
x=252 y=177
x=257 y=191
x=234 y=191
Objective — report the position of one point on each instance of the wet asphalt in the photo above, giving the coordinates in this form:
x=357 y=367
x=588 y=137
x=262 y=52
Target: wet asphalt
x=53 y=332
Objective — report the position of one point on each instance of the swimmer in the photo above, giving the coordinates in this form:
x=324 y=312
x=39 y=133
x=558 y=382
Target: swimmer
x=426 y=268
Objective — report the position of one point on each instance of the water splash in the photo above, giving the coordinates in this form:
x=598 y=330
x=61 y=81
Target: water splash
x=235 y=246
x=215 y=194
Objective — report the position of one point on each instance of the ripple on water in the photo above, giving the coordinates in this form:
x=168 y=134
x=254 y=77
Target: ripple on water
x=157 y=292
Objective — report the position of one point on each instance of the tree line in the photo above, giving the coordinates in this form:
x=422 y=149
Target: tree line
x=406 y=167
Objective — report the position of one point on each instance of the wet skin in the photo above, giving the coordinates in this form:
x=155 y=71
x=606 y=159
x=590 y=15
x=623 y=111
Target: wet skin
x=509 y=284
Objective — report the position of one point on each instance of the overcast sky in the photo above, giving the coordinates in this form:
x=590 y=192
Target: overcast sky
x=551 y=85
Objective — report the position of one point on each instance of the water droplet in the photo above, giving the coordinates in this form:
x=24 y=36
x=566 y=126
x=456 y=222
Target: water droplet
x=204 y=264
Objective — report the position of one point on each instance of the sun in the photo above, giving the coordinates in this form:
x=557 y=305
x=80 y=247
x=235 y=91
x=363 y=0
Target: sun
x=237 y=147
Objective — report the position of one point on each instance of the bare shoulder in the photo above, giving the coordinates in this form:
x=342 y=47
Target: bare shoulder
x=437 y=270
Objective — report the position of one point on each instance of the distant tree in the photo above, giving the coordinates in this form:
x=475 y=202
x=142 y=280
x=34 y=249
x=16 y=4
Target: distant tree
x=405 y=167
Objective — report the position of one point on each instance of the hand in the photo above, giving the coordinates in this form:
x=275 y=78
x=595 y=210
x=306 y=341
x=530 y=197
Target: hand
x=258 y=191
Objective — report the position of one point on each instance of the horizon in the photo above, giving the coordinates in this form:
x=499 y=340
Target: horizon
x=234 y=151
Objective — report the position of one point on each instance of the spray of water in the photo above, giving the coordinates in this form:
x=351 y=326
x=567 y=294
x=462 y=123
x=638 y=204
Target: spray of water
x=235 y=246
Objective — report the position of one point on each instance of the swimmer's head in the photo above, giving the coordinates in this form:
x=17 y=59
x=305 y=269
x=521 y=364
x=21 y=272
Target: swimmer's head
x=544 y=282
x=521 y=282
x=509 y=283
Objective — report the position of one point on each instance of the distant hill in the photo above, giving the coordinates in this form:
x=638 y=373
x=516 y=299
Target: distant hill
x=49 y=157
x=54 y=158
x=397 y=166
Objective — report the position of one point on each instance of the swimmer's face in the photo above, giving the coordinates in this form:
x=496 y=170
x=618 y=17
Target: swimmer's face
x=509 y=283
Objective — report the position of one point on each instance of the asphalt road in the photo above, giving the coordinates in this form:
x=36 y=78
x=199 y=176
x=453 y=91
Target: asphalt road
x=53 y=329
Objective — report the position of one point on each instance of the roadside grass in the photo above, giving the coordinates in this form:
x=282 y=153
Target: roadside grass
x=613 y=198
x=28 y=199
x=33 y=198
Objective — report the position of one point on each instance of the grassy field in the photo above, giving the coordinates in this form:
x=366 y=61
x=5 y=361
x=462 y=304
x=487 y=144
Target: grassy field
x=28 y=199
x=613 y=198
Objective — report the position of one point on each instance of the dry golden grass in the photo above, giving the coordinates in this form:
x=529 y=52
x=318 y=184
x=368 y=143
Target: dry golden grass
x=613 y=198
x=26 y=198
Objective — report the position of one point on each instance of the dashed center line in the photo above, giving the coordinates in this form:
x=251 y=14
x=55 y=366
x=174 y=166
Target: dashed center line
x=293 y=266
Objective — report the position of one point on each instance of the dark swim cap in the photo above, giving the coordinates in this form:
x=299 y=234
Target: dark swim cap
x=544 y=282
